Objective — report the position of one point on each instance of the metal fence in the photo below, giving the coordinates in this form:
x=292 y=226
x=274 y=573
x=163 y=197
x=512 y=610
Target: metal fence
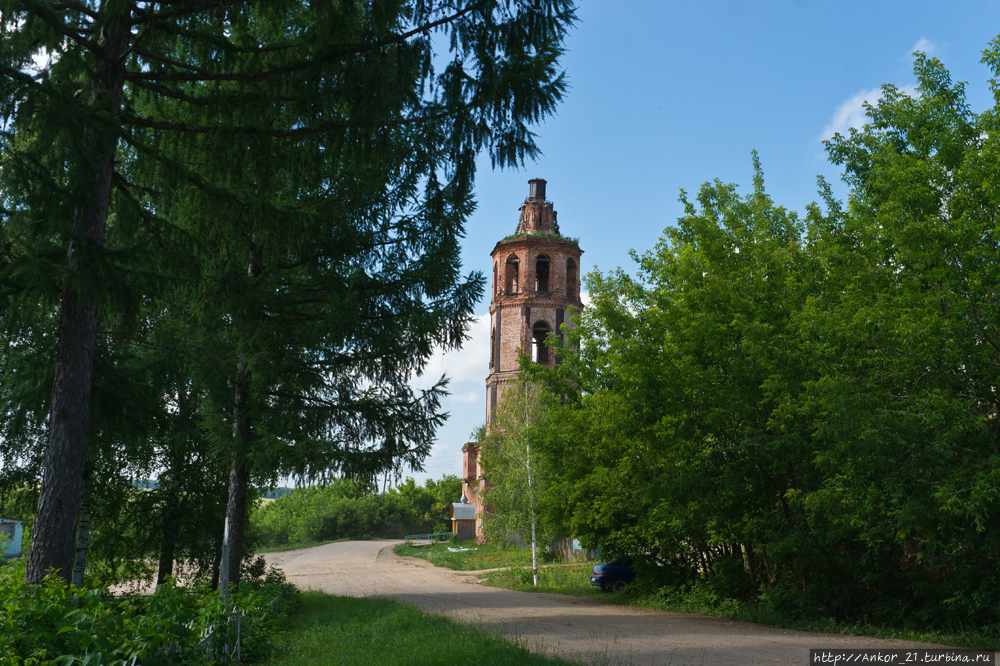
x=428 y=539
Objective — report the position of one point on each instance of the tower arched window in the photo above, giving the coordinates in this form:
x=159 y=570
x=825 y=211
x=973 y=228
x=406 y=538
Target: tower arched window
x=542 y=273
x=571 y=279
x=539 y=333
x=510 y=276
x=496 y=283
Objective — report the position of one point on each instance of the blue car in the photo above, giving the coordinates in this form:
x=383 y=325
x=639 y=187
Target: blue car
x=613 y=575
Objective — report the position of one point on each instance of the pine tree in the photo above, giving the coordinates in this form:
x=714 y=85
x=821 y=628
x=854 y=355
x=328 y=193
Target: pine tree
x=253 y=129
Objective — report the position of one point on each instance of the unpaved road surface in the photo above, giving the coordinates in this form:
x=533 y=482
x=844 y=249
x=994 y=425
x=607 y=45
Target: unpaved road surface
x=571 y=627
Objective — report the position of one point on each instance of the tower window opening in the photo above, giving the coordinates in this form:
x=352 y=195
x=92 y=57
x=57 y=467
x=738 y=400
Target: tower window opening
x=570 y=279
x=510 y=282
x=496 y=279
x=539 y=333
x=542 y=274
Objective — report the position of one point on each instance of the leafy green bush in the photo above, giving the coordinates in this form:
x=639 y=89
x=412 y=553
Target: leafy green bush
x=264 y=599
x=57 y=625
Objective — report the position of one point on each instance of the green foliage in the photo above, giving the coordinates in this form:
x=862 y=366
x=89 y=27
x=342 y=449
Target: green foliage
x=346 y=509
x=378 y=632
x=476 y=558
x=265 y=599
x=563 y=579
x=18 y=502
x=295 y=237
x=800 y=415
x=517 y=479
x=542 y=234
x=54 y=624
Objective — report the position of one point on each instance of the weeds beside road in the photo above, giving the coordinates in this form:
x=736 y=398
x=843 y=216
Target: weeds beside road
x=475 y=558
x=694 y=599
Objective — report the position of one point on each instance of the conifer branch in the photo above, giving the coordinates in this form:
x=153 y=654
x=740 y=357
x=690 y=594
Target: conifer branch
x=167 y=92
x=188 y=8
x=45 y=13
x=284 y=133
x=80 y=39
x=427 y=27
x=144 y=344
x=80 y=7
x=170 y=61
x=303 y=64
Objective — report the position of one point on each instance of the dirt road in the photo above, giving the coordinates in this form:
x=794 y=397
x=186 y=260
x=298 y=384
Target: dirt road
x=571 y=627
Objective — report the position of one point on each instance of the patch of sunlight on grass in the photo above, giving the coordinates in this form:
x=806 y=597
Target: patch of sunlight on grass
x=487 y=556
x=345 y=631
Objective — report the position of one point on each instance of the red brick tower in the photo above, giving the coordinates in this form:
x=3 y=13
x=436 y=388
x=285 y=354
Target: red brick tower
x=536 y=278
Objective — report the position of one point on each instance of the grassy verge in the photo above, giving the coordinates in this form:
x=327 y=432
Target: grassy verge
x=377 y=632
x=698 y=600
x=298 y=546
x=482 y=557
x=574 y=580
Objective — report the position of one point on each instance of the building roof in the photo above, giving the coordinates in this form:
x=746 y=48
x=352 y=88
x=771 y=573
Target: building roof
x=461 y=511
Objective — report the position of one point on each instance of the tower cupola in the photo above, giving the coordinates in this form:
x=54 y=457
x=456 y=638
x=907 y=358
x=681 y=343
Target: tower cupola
x=537 y=215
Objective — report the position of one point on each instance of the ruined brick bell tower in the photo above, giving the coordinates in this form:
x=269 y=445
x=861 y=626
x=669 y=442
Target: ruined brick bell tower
x=536 y=279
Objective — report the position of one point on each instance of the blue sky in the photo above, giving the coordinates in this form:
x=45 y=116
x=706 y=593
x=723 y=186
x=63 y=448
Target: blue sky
x=668 y=95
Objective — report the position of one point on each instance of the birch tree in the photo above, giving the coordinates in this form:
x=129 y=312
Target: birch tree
x=515 y=479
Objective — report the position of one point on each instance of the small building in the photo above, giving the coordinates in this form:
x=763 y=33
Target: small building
x=11 y=535
x=463 y=520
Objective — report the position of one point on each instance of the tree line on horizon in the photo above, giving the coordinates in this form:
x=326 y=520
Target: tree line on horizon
x=229 y=236
x=346 y=509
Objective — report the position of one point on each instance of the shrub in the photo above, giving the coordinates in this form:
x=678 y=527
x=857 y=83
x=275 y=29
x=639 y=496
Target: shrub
x=54 y=624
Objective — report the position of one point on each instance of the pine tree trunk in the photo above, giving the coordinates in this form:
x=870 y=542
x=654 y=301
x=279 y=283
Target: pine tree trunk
x=216 y=565
x=238 y=475
x=83 y=530
x=236 y=512
x=169 y=537
x=52 y=538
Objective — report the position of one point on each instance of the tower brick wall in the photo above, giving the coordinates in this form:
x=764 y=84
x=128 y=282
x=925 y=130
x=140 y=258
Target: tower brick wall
x=535 y=287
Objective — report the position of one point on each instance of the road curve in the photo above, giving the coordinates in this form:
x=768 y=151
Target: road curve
x=571 y=627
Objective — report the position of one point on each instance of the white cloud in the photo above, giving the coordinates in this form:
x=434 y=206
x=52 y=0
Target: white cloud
x=925 y=46
x=470 y=363
x=851 y=113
